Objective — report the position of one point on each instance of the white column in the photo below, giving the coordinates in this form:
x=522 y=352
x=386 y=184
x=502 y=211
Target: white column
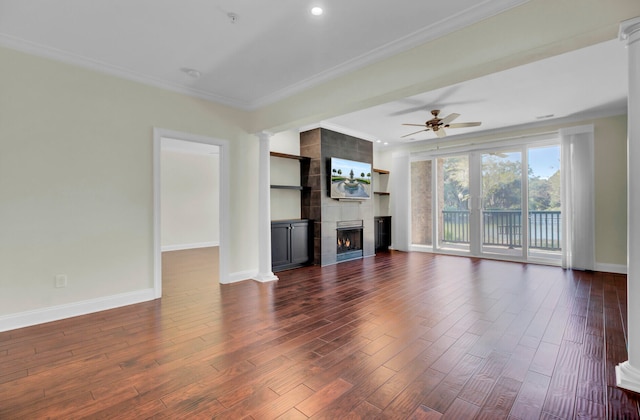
x=264 y=212
x=628 y=373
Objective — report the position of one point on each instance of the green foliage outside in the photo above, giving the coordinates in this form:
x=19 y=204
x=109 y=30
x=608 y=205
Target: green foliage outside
x=501 y=185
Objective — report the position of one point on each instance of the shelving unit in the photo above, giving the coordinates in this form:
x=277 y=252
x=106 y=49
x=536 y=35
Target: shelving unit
x=291 y=239
x=304 y=161
x=288 y=156
x=289 y=187
x=382 y=217
x=381 y=193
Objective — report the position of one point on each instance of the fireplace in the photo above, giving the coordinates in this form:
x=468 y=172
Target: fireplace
x=349 y=240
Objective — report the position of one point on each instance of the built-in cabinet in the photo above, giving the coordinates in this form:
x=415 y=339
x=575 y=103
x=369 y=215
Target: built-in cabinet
x=382 y=218
x=382 y=232
x=292 y=239
x=291 y=242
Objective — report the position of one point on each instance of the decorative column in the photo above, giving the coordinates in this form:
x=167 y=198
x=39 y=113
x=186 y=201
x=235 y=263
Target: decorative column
x=628 y=373
x=264 y=211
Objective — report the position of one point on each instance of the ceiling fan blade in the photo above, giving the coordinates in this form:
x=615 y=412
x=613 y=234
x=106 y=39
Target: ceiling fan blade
x=462 y=125
x=449 y=118
x=416 y=125
x=411 y=134
x=441 y=133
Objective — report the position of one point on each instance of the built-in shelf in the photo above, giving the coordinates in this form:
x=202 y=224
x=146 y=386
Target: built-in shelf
x=289 y=187
x=288 y=156
x=304 y=160
x=381 y=172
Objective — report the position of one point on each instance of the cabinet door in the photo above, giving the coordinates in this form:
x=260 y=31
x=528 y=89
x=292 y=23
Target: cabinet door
x=387 y=232
x=299 y=242
x=280 y=246
x=383 y=232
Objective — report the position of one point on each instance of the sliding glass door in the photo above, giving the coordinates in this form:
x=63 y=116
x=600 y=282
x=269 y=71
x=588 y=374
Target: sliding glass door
x=545 y=217
x=499 y=203
x=452 y=195
x=502 y=210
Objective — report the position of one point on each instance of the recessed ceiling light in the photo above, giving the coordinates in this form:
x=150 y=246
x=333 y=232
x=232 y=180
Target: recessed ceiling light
x=386 y=144
x=316 y=11
x=379 y=141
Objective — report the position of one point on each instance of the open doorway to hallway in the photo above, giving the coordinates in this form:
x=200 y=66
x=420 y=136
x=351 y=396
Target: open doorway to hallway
x=189 y=205
x=190 y=208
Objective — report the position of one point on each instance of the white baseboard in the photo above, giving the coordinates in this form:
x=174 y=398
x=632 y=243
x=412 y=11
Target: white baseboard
x=611 y=268
x=55 y=313
x=240 y=276
x=180 y=247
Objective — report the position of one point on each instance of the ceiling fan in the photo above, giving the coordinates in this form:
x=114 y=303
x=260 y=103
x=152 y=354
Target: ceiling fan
x=437 y=125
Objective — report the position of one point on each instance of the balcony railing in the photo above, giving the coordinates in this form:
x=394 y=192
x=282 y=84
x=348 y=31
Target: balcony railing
x=504 y=228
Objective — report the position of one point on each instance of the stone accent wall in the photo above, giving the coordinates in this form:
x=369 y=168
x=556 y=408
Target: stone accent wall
x=421 y=199
x=422 y=202
x=321 y=145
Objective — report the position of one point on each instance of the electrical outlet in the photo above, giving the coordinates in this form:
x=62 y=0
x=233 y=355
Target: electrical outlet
x=61 y=280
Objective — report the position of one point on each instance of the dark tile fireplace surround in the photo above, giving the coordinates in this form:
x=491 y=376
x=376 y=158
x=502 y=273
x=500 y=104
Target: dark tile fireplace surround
x=331 y=216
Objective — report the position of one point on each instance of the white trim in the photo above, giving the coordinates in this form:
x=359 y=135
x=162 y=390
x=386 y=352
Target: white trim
x=66 y=57
x=611 y=268
x=549 y=138
x=55 y=313
x=180 y=247
x=265 y=272
x=158 y=134
x=478 y=12
x=629 y=30
x=628 y=377
x=241 y=276
x=264 y=278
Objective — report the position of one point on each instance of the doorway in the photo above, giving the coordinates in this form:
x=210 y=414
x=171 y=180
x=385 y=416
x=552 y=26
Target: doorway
x=190 y=239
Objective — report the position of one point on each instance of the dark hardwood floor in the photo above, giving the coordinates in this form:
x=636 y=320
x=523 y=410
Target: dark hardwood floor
x=401 y=335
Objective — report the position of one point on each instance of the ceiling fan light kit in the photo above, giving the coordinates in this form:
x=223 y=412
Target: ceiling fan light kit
x=437 y=125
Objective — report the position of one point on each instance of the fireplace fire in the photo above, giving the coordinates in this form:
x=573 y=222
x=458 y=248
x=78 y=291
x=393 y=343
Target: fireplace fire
x=349 y=240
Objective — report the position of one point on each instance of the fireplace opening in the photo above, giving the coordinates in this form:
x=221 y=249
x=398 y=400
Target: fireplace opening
x=349 y=240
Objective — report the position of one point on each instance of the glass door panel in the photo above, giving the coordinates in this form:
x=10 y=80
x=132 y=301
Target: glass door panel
x=453 y=203
x=502 y=230
x=545 y=222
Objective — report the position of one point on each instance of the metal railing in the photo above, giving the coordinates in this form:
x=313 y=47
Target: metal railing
x=504 y=228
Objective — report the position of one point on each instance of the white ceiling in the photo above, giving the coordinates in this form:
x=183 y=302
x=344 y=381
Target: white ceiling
x=584 y=83
x=276 y=49
x=273 y=50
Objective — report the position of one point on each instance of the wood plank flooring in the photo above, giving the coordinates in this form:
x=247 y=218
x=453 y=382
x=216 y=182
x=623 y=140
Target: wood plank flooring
x=401 y=335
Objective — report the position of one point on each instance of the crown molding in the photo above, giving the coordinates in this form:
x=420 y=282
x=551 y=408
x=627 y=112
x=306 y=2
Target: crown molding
x=66 y=57
x=480 y=11
x=630 y=30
